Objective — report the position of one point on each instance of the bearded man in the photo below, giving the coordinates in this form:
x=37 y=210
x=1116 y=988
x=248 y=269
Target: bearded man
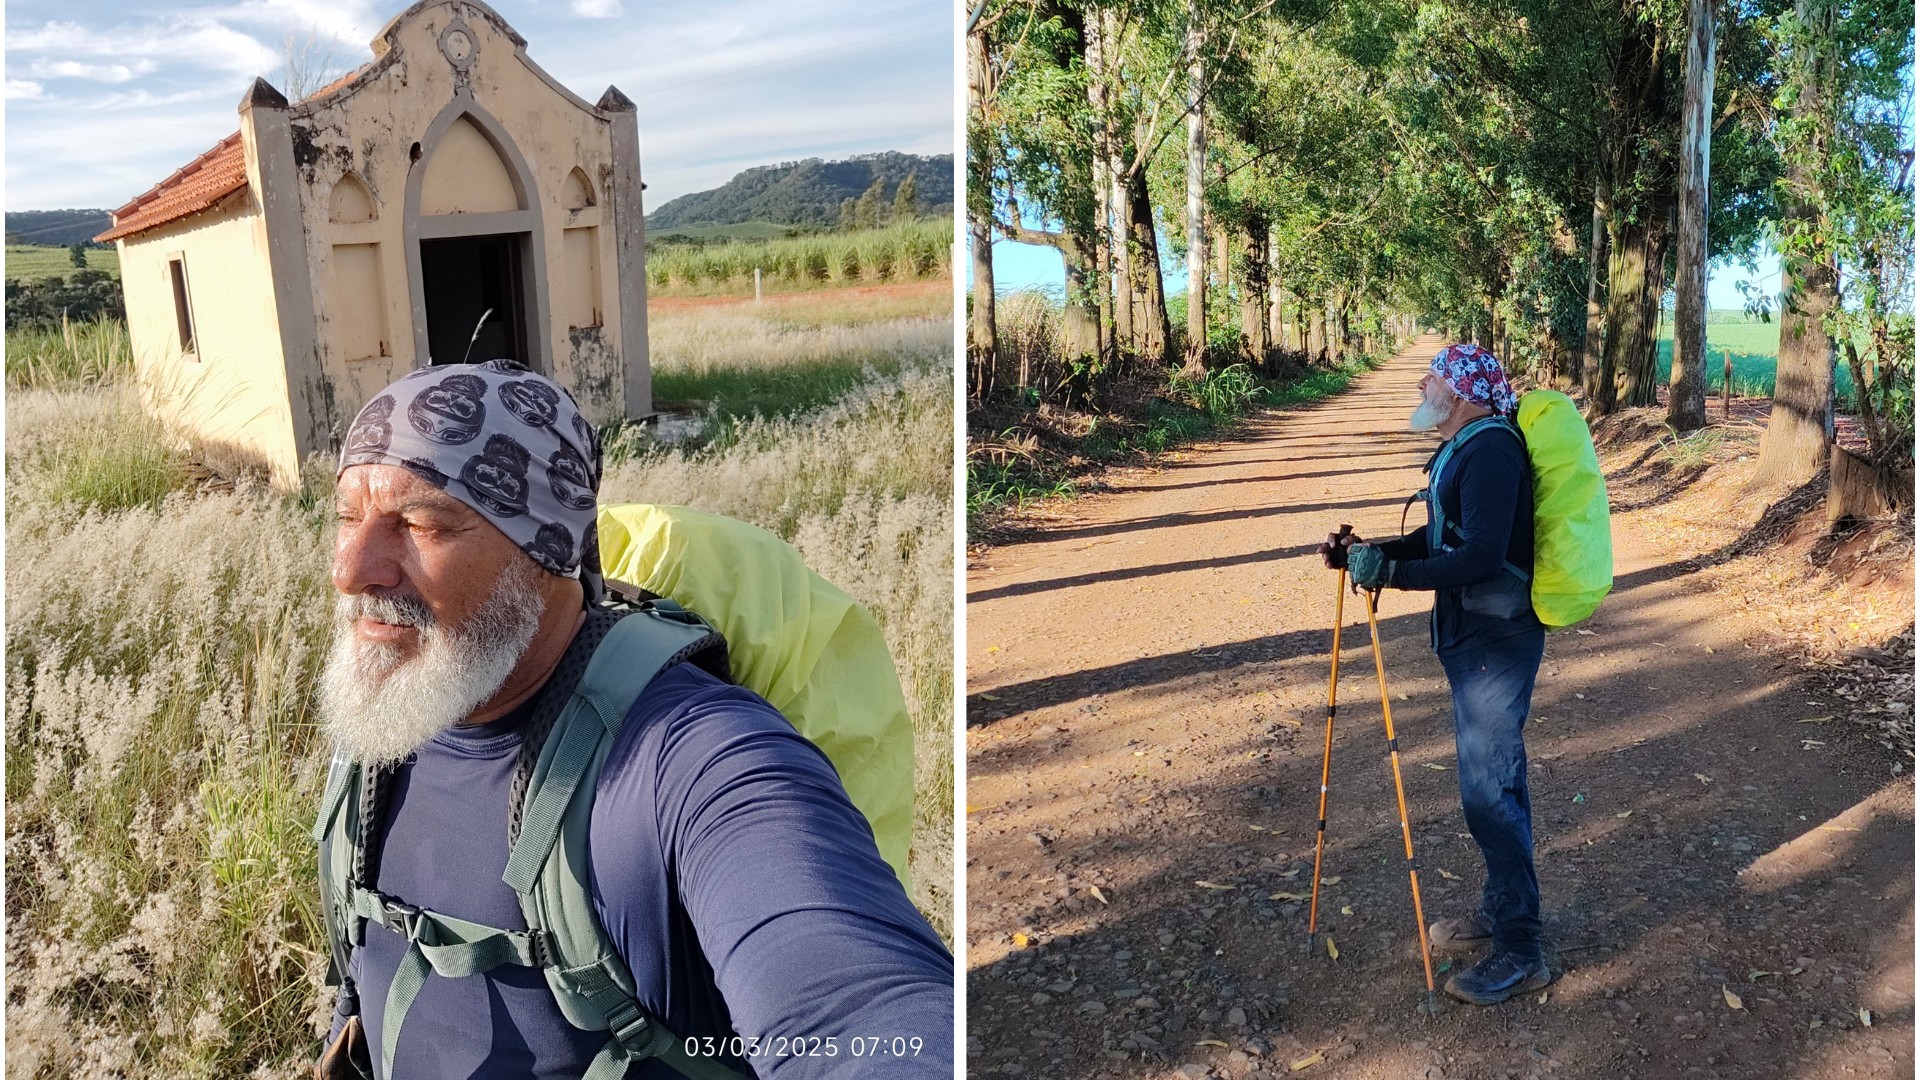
x=1475 y=553
x=728 y=868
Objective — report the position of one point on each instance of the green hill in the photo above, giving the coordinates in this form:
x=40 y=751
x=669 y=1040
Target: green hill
x=809 y=192
x=55 y=227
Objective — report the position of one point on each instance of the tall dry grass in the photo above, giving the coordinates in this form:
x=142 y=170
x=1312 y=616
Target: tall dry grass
x=162 y=759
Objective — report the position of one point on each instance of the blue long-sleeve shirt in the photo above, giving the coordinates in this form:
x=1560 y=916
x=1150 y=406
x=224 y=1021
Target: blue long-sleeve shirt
x=731 y=872
x=1486 y=493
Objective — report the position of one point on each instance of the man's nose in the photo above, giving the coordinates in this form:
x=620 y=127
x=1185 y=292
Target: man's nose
x=365 y=555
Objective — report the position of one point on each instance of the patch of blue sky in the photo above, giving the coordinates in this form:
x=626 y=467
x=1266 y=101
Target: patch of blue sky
x=103 y=100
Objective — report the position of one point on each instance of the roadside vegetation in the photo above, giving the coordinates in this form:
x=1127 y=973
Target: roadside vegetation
x=165 y=626
x=1045 y=426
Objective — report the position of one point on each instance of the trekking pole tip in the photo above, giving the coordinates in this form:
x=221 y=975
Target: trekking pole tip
x=1430 y=1005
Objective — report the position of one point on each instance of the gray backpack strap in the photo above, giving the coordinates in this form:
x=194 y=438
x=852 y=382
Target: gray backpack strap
x=1443 y=531
x=548 y=863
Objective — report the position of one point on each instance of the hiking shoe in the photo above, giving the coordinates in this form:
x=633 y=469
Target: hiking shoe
x=1454 y=935
x=1497 y=978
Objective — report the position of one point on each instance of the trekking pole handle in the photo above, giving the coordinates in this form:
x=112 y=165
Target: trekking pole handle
x=1338 y=553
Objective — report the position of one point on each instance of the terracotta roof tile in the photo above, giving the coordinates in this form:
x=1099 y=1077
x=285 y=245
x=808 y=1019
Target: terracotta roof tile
x=196 y=186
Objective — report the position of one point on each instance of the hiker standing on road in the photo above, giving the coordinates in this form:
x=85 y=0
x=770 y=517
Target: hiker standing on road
x=730 y=873
x=1489 y=642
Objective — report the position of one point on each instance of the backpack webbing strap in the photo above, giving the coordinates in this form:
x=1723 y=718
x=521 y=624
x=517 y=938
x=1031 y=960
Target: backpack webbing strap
x=636 y=649
x=1442 y=528
x=436 y=943
x=638 y=1036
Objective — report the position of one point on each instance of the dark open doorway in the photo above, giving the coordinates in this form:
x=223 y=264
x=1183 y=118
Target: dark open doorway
x=464 y=277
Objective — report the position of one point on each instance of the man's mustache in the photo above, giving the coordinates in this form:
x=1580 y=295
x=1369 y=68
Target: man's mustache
x=397 y=610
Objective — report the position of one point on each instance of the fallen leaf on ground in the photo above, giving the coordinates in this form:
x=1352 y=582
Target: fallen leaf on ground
x=1866 y=1016
x=1213 y=885
x=1733 y=999
x=1703 y=778
x=1543 y=999
x=1213 y=1042
x=1258 y=828
x=1307 y=1062
x=1579 y=798
x=1020 y=941
x=1444 y=874
x=1332 y=949
x=989 y=697
x=1436 y=766
x=1814 y=720
x=1334 y=880
x=1628 y=814
x=1346 y=909
x=1584 y=633
x=1097 y=894
x=1756 y=976
x=1288 y=896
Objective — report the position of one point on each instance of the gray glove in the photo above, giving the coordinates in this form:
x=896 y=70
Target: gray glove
x=1369 y=567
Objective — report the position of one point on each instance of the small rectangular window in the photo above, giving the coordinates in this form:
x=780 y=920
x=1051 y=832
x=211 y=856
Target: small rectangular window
x=182 y=305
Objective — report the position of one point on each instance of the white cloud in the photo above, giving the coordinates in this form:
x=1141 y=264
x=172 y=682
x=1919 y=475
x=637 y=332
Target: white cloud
x=191 y=39
x=598 y=9
x=23 y=90
x=106 y=73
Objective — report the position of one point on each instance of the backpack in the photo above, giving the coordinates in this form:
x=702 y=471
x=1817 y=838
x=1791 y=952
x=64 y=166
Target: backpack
x=1572 y=536
x=804 y=645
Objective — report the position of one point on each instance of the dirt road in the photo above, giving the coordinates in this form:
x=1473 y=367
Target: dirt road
x=1147 y=698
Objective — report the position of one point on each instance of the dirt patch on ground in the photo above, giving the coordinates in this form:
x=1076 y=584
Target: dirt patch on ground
x=1148 y=682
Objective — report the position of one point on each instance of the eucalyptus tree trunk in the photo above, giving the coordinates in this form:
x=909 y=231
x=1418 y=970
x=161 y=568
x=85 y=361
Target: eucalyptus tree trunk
x=1687 y=401
x=1626 y=277
x=1196 y=361
x=1800 y=429
x=1639 y=362
x=1276 y=301
x=982 y=339
x=1150 y=327
x=1588 y=358
x=1094 y=40
x=1254 y=342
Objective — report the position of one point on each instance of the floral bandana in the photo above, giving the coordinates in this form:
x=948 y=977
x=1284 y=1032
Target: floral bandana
x=507 y=442
x=1475 y=374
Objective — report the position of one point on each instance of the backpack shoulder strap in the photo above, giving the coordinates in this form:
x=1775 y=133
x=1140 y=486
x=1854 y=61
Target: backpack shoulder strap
x=1443 y=530
x=548 y=863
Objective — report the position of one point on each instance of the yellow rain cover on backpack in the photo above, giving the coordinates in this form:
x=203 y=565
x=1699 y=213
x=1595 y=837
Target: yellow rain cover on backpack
x=792 y=637
x=1572 y=537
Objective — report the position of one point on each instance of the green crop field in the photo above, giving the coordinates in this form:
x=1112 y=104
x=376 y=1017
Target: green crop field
x=1755 y=346
x=745 y=230
x=32 y=262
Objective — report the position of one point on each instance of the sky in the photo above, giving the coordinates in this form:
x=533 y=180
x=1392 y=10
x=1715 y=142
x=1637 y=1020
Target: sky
x=105 y=98
x=1028 y=266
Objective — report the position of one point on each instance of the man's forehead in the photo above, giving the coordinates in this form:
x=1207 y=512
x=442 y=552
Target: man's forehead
x=394 y=489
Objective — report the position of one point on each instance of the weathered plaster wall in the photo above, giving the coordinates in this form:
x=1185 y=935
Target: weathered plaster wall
x=373 y=129
x=233 y=390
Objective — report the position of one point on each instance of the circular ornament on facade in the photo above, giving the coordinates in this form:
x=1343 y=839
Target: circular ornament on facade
x=458 y=46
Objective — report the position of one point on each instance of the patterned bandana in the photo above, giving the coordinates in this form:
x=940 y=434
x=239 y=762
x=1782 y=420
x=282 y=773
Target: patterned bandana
x=1475 y=374
x=507 y=442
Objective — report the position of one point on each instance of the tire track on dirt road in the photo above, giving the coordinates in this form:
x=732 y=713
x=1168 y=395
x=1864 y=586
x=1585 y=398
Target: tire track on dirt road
x=1147 y=694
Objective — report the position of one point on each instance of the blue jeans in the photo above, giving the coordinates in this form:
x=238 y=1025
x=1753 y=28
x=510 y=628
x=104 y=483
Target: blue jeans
x=1492 y=681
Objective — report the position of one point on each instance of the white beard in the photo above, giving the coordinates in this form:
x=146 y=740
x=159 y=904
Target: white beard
x=381 y=708
x=1435 y=406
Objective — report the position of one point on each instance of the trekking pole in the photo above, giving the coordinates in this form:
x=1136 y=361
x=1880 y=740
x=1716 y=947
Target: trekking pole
x=1400 y=793
x=1326 y=755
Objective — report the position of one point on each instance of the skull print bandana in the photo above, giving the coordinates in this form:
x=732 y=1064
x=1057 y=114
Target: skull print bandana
x=1475 y=374
x=509 y=443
